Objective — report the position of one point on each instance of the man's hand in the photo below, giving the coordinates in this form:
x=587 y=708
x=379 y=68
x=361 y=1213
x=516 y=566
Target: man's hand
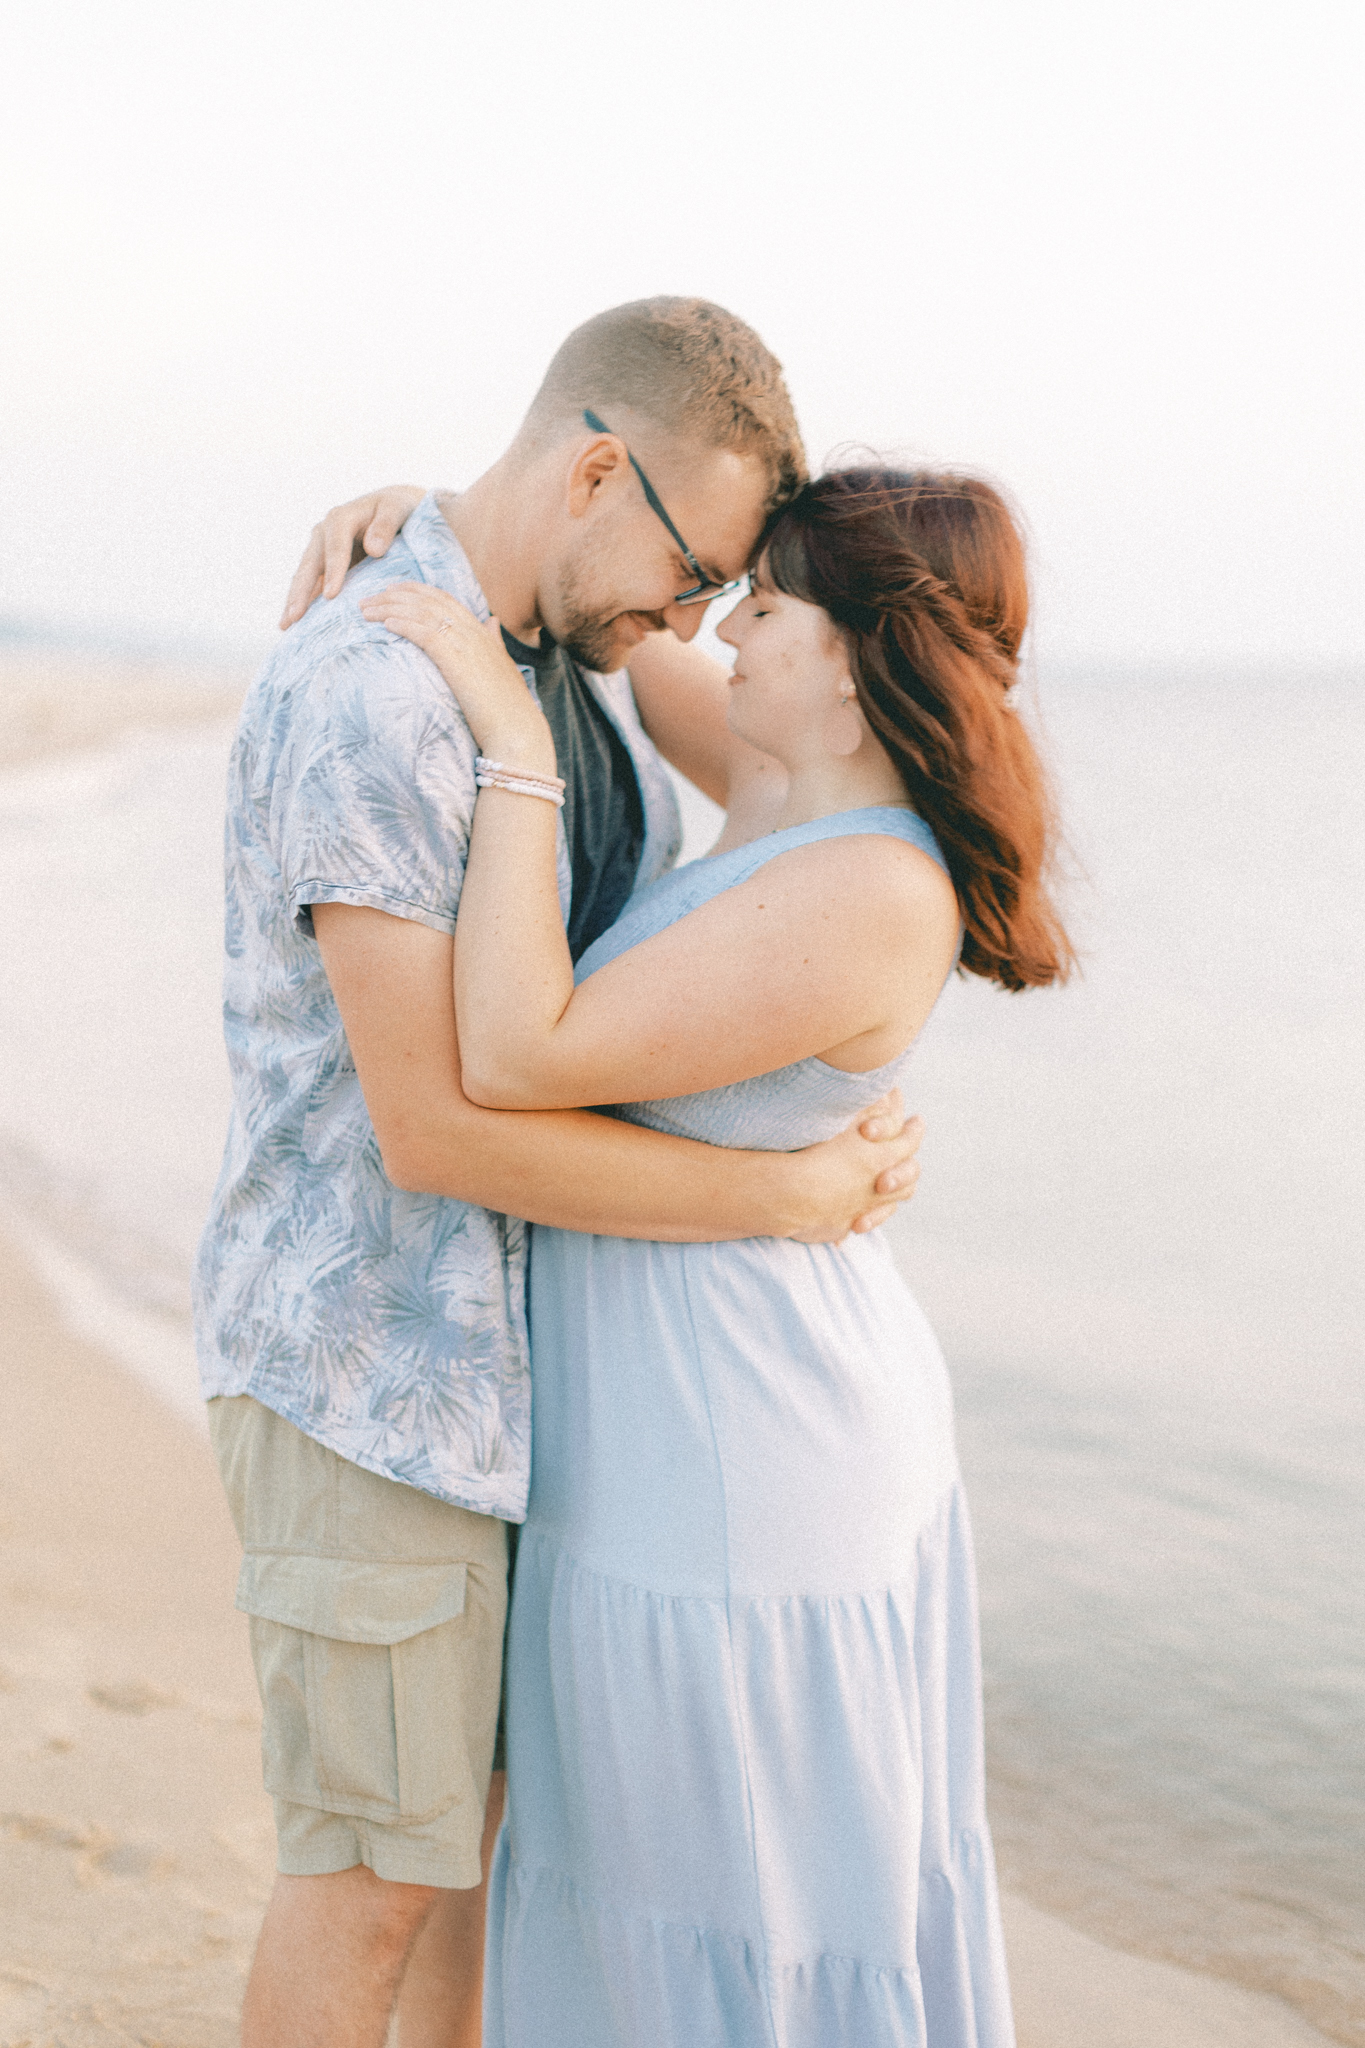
x=876 y=1154
x=366 y=526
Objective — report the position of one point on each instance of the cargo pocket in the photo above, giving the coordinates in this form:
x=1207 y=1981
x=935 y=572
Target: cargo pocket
x=359 y=1669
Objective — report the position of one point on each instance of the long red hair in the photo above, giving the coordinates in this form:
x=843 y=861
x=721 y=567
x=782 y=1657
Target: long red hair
x=925 y=574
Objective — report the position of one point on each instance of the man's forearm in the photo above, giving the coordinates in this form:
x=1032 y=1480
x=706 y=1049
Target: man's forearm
x=580 y=1171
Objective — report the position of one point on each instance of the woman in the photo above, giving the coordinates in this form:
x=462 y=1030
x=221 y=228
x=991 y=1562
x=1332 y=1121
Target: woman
x=745 y=1772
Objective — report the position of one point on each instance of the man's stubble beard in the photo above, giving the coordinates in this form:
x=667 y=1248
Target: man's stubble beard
x=590 y=642
x=585 y=631
x=582 y=631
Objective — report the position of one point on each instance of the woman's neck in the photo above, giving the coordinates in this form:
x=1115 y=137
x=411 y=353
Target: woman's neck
x=839 y=782
x=779 y=798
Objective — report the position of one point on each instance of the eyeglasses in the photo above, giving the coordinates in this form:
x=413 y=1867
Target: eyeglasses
x=703 y=590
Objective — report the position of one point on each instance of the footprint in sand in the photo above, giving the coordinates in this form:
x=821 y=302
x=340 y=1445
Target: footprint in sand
x=54 y=1834
x=133 y=1859
x=98 y=1855
x=136 y=1698
x=24 y=2001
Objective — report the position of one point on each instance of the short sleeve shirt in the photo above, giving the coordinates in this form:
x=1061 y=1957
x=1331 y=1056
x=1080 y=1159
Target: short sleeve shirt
x=390 y=1326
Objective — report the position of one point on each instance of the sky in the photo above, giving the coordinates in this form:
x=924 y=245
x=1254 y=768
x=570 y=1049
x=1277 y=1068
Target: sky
x=255 y=259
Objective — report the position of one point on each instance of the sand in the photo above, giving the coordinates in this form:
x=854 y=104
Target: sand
x=135 y=1842
x=57 y=702
x=136 y=1846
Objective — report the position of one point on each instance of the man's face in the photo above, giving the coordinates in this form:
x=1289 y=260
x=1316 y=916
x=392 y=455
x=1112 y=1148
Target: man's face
x=618 y=573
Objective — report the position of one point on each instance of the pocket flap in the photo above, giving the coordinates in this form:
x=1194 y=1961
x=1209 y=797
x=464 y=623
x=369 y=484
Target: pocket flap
x=351 y=1600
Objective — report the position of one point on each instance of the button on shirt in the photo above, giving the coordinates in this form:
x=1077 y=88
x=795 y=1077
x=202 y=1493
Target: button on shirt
x=390 y=1326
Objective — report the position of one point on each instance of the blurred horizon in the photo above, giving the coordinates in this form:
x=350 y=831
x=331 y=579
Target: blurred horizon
x=267 y=259
x=105 y=642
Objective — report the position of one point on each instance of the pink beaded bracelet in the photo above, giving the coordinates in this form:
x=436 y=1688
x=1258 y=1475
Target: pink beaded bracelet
x=518 y=781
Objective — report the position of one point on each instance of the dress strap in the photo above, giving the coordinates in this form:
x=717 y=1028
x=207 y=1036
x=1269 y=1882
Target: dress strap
x=895 y=820
x=661 y=903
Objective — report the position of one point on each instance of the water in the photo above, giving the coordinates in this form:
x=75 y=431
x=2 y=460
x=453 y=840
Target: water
x=1138 y=1236
x=1140 y=1240
x=113 y=1080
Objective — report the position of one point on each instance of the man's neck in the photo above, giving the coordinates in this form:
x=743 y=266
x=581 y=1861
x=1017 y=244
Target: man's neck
x=494 y=522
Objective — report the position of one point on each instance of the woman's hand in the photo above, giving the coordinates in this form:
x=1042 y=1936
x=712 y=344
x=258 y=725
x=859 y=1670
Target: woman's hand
x=485 y=682
x=871 y=1163
x=364 y=527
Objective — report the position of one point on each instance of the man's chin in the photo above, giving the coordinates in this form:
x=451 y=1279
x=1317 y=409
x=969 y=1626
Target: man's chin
x=604 y=648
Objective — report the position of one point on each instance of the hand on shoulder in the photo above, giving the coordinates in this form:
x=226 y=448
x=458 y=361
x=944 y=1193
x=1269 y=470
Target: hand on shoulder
x=479 y=672
x=364 y=526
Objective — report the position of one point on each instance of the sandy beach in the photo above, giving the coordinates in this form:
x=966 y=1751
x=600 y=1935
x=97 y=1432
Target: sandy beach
x=137 y=1843
x=52 y=701
x=136 y=1847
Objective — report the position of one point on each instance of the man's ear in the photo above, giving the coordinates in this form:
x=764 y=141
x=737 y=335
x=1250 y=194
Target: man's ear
x=598 y=467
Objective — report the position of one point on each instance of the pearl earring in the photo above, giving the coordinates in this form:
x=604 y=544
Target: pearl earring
x=843 y=735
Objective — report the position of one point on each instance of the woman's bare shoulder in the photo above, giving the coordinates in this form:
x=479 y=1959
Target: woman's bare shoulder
x=877 y=869
x=867 y=900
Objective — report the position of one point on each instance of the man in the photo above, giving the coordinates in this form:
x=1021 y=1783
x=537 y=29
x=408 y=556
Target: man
x=359 y=1286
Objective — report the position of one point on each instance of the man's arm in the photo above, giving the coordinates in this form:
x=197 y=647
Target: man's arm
x=683 y=697
x=393 y=981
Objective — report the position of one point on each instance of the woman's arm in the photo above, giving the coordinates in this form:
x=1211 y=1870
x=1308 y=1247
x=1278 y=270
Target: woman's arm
x=838 y=948
x=392 y=981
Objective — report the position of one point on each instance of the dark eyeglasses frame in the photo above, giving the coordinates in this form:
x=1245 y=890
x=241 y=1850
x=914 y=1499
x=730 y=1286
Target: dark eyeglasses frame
x=704 y=591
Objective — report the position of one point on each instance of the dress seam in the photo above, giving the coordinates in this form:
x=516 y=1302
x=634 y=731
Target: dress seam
x=533 y=1532
x=740 y=1719
x=533 y=1873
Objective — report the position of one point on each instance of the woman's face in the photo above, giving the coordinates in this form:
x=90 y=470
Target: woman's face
x=791 y=669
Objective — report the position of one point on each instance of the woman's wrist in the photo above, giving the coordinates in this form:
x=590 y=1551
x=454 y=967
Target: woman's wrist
x=786 y=1189
x=521 y=743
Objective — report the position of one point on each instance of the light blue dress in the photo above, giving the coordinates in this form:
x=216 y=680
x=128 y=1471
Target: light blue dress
x=746 y=1791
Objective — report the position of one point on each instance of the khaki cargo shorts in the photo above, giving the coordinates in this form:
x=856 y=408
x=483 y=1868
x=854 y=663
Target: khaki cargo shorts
x=377 y=1616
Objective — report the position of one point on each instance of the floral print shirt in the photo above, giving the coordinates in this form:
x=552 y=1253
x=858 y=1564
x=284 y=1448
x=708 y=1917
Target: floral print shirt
x=390 y=1326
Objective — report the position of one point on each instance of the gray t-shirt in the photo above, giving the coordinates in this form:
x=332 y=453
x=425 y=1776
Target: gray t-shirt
x=603 y=815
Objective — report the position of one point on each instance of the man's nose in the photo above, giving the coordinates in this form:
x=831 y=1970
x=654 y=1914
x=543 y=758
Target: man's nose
x=685 y=619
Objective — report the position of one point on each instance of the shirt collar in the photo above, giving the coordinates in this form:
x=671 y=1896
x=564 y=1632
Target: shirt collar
x=440 y=559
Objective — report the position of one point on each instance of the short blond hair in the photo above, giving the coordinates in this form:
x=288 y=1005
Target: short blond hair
x=690 y=367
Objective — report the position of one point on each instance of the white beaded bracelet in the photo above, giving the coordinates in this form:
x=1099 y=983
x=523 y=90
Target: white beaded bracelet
x=483 y=766
x=518 y=781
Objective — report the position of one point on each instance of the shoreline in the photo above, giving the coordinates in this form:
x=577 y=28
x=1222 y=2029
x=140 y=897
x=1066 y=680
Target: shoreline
x=138 y=1841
